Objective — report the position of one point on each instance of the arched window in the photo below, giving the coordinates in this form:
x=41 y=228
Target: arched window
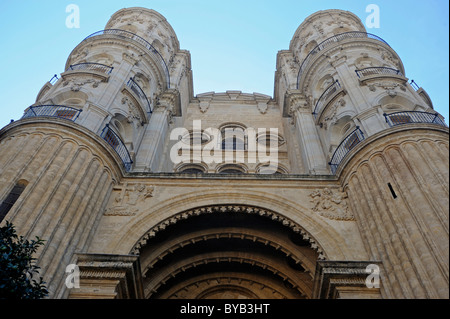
x=196 y=138
x=191 y=169
x=271 y=169
x=11 y=198
x=231 y=169
x=269 y=139
x=233 y=137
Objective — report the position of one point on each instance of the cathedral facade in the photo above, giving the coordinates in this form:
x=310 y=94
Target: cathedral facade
x=335 y=187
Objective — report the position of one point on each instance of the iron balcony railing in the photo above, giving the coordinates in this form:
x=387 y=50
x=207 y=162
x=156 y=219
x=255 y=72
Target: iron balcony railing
x=411 y=117
x=334 y=39
x=414 y=85
x=53 y=79
x=92 y=66
x=329 y=91
x=377 y=70
x=59 y=111
x=140 y=93
x=118 y=145
x=353 y=139
x=129 y=35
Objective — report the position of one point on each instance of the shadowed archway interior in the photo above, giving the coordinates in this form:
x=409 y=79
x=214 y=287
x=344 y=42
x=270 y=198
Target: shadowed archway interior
x=228 y=255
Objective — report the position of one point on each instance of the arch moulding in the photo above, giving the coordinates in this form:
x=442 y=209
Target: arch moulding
x=323 y=238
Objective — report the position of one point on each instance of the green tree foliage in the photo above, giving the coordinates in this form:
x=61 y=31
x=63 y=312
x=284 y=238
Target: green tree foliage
x=17 y=267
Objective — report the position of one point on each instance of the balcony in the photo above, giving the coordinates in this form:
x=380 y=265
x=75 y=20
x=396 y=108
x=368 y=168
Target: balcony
x=345 y=147
x=330 y=41
x=71 y=114
x=118 y=145
x=91 y=67
x=377 y=71
x=137 y=90
x=412 y=117
x=156 y=56
x=326 y=96
x=59 y=111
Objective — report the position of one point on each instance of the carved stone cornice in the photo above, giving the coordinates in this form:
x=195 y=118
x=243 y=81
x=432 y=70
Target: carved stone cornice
x=335 y=277
x=104 y=276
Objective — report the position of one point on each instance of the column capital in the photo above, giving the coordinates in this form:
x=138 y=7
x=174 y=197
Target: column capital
x=295 y=100
x=169 y=100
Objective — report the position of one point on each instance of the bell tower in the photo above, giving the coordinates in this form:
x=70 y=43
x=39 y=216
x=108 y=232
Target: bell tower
x=106 y=115
x=357 y=117
x=362 y=180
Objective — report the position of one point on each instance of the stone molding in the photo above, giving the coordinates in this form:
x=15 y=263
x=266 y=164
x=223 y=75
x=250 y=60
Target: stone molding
x=108 y=277
x=333 y=277
x=228 y=208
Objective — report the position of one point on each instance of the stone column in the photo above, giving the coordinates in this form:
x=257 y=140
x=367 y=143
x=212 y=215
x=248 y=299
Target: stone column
x=150 y=150
x=307 y=134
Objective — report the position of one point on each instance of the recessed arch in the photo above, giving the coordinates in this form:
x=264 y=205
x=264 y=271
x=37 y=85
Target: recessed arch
x=225 y=239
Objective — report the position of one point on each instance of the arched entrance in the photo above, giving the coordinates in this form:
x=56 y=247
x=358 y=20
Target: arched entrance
x=227 y=251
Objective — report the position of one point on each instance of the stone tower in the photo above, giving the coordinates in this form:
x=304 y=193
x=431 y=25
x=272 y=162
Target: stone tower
x=153 y=192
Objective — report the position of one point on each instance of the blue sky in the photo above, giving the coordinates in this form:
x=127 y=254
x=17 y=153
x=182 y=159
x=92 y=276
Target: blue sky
x=233 y=44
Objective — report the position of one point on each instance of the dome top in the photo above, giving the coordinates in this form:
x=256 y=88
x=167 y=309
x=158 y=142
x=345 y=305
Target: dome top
x=147 y=23
x=324 y=24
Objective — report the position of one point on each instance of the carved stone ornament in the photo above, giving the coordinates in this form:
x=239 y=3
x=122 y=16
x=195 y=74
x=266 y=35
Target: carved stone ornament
x=79 y=55
x=204 y=106
x=77 y=84
x=330 y=116
x=130 y=58
x=262 y=107
x=127 y=202
x=389 y=86
x=297 y=102
x=331 y=204
x=389 y=57
x=133 y=112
